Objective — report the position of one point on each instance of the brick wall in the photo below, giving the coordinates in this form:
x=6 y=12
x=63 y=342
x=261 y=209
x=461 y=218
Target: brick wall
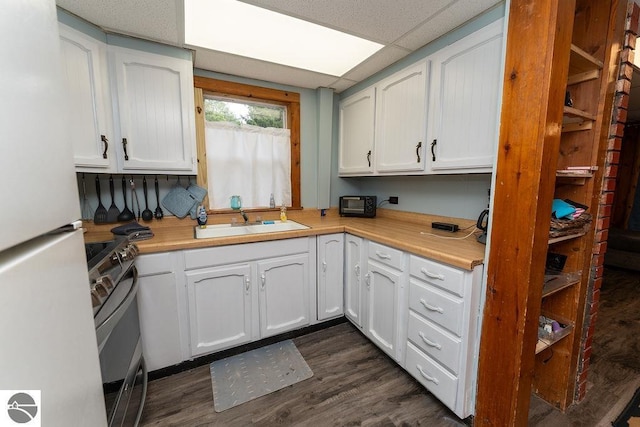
x=616 y=131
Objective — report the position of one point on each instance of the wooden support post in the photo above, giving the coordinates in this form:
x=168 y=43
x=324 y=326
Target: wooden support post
x=536 y=68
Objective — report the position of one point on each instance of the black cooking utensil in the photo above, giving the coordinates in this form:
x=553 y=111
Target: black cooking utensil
x=159 y=213
x=126 y=214
x=113 y=212
x=147 y=215
x=100 y=216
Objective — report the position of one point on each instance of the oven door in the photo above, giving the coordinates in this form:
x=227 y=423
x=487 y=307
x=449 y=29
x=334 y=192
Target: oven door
x=124 y=375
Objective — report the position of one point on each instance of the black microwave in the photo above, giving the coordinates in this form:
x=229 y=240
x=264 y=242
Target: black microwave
x=363 y=206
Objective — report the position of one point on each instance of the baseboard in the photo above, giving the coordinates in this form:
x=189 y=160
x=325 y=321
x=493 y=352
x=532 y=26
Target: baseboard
x=208 y=358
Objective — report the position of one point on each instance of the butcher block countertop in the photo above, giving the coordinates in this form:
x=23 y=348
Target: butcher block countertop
x=401 y=230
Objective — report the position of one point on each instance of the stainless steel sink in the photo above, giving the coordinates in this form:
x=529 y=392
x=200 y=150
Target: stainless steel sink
x=227 y=230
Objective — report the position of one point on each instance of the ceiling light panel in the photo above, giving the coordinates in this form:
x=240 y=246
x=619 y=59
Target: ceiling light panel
x=242 y=29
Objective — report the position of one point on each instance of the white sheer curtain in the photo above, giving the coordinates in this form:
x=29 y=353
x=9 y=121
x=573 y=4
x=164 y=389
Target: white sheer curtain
x=248 y=161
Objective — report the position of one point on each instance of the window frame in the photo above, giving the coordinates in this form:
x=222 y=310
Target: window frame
x=241 y=91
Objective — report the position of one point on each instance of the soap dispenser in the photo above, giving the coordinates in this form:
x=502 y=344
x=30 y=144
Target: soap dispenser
x=283 y=213
x=272 y=202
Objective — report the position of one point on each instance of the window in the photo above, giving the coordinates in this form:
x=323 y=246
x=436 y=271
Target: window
x=248 y=144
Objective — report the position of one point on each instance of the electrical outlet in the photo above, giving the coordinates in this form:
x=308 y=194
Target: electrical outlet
x=393 y=200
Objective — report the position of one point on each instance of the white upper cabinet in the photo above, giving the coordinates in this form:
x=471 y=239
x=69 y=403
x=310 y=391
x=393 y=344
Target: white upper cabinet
x=84 y=69
x=401 y=114
x=438 y=115
x=155 y=124
x=357 y=115
x=464 y=105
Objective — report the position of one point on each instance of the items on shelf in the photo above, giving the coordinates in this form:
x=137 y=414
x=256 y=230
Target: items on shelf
x=568 y=217
x=550 y=331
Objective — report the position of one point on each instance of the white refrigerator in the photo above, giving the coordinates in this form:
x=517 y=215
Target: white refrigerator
x=47 y=338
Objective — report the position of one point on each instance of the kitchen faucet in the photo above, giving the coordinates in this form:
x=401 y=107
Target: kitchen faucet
x=244 y=216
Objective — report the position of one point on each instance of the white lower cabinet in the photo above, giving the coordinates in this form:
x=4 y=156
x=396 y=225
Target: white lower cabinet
x=241 y=293
x=284 y=294
x=220 y=310
x=354 y=271
x=442 y=336
x=382 y=296
x=330 y=278
x=159 y=310
x=383 y=288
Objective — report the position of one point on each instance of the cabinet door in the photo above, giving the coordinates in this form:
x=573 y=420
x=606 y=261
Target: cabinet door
x=401 y=115
x=284 y=294
x=155 y=118
x=330 y=277
x=356 y=127
x=88 y=102
x=353 y=264
x=464 y=102
x=219 y=307
x=159 y=320
x=383 y=285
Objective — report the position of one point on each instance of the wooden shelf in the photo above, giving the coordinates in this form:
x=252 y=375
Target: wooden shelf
x=559 y=282
x=544 y=343
x=575 y=113
x=576 y=120
x=582 y=66
x=568 y=237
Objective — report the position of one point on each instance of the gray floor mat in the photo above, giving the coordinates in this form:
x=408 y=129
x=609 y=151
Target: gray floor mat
x=238 y=379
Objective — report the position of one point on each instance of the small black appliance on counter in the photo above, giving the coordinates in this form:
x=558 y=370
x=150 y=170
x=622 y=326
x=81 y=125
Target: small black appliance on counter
x=361 y=206
x=482 y=224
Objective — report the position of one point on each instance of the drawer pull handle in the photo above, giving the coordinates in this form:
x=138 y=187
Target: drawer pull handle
x=427 y=376
x=428 y=342
x=263 y=278
x=432 y=275
x=324 y=266
x=247 y=283
x=383 y=255
x=431 y=307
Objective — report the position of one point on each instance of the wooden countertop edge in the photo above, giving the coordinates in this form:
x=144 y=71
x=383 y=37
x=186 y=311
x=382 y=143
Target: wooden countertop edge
x=390 y=228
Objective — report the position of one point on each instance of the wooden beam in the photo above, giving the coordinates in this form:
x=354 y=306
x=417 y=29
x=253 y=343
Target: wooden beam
x=536 y=69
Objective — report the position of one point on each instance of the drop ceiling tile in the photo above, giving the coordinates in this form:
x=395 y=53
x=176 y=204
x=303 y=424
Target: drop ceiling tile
x=149 y=19
x=254 y=69
x=382 y=21
x=448 y=19
x=381 y=59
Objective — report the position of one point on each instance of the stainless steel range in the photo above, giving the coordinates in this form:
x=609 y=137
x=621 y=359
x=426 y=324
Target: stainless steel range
x=114 y=287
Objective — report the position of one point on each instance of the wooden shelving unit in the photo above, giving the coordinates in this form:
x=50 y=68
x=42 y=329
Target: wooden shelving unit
x=555 y=372
x=559 y=282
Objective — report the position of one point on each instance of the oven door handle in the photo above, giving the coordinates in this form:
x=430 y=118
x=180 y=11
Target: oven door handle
x=104 y=329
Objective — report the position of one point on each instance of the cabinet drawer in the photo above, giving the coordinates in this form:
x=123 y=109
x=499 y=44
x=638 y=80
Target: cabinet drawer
x=385 y=255
x=231 y=254
x=434 y=342
x=432 y=376
x=442 y=276
x=154 y=264
x=437 y=306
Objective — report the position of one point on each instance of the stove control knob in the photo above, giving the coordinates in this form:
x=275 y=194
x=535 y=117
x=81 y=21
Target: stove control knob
x=129 y=252
x=105 y=281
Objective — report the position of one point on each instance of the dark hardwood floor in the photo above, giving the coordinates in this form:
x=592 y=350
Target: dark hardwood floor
x=355 y=384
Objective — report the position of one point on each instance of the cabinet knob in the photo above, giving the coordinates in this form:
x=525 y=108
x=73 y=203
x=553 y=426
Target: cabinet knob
x=247 y=283
x=431 y=307
x=428 y=342
x=427 y=376
x=124 y=147
x=105 y=141
x=432 y=275
x=433 y=150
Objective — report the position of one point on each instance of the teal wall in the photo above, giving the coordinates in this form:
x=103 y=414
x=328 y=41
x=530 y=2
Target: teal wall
x=462 y=196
